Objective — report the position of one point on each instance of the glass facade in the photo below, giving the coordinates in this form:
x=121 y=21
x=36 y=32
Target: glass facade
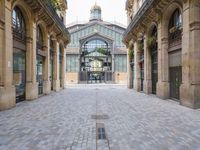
x=96 y=56
x=120 y=63
x=90 y=46
x=72 y=63
x=116 y=35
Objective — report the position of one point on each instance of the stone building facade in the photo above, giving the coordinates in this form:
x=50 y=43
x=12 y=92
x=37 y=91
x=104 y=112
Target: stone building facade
x=163 y=41
x=33 y=38
x=96 y=53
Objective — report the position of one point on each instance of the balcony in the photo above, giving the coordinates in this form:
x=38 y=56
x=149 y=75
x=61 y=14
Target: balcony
x=53 y=14
x=141 y=12
x=48 y=14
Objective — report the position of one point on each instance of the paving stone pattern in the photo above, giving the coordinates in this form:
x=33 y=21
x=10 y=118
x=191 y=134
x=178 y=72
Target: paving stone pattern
x=65 y=121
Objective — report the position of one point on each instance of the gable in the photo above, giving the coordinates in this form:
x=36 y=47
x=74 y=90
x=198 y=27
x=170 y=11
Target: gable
x=96 y=28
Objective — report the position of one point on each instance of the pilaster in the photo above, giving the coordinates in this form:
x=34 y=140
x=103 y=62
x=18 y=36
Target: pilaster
x=189 y=90
x=137 y=80
x=56 y=79
x=7 y=90
x=163 y=66
x=31 y=84
x=129 y=70
x=147 y=69
x=47 y=83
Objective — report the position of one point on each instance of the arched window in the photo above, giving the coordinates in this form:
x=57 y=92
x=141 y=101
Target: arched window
x=174 y=27
x=18 y=23
x=96 y=45
x=176 y=19
x=39 y=38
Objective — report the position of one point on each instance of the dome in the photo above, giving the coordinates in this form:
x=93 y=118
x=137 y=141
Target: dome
x=96 y=7
x=95 y=13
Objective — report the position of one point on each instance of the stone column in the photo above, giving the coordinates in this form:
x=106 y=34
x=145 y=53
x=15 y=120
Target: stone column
x=31 y=84
x=147 y=68
x=56 y=78
x=7 y=90
x=163 y=66
x=137 y=80
x=129 y=70
x=47 y=83
x=190 y=88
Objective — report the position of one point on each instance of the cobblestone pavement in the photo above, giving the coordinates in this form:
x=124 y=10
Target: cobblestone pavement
x=66 y=121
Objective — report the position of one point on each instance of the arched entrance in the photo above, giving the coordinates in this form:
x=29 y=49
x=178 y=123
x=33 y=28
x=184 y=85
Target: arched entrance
x=175 y=64
x=19 y=53
x=153 y=47
x=40 y=60
x=96 y=61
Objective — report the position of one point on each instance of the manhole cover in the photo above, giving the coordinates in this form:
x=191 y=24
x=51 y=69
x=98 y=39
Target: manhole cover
x=100 y=117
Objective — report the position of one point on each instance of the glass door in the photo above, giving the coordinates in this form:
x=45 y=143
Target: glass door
x=40 y=74
x=19 y=74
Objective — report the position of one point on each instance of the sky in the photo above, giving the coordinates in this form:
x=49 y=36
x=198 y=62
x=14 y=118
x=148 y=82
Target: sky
x=112 y=10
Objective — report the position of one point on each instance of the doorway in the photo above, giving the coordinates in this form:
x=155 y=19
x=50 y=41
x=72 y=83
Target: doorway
x=175 y=82
x=19 y=74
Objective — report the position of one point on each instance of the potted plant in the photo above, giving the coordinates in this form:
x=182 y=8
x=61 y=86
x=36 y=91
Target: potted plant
x=56 y=4
x=151 y=41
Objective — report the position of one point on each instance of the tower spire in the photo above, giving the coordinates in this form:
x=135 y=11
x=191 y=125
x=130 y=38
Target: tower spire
x=95 y=12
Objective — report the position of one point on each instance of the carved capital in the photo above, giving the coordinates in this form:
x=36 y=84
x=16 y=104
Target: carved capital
x=195 y=25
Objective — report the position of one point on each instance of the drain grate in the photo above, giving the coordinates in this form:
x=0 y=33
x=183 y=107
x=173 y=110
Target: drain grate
x=99 y=117
x=101 y=134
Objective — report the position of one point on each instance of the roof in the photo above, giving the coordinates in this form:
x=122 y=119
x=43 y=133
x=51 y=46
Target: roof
x=101 y=23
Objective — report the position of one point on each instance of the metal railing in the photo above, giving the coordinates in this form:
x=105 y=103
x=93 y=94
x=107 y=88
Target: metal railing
x=142 y=10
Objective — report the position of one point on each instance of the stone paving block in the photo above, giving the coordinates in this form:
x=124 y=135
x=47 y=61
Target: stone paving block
x=135 y=121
